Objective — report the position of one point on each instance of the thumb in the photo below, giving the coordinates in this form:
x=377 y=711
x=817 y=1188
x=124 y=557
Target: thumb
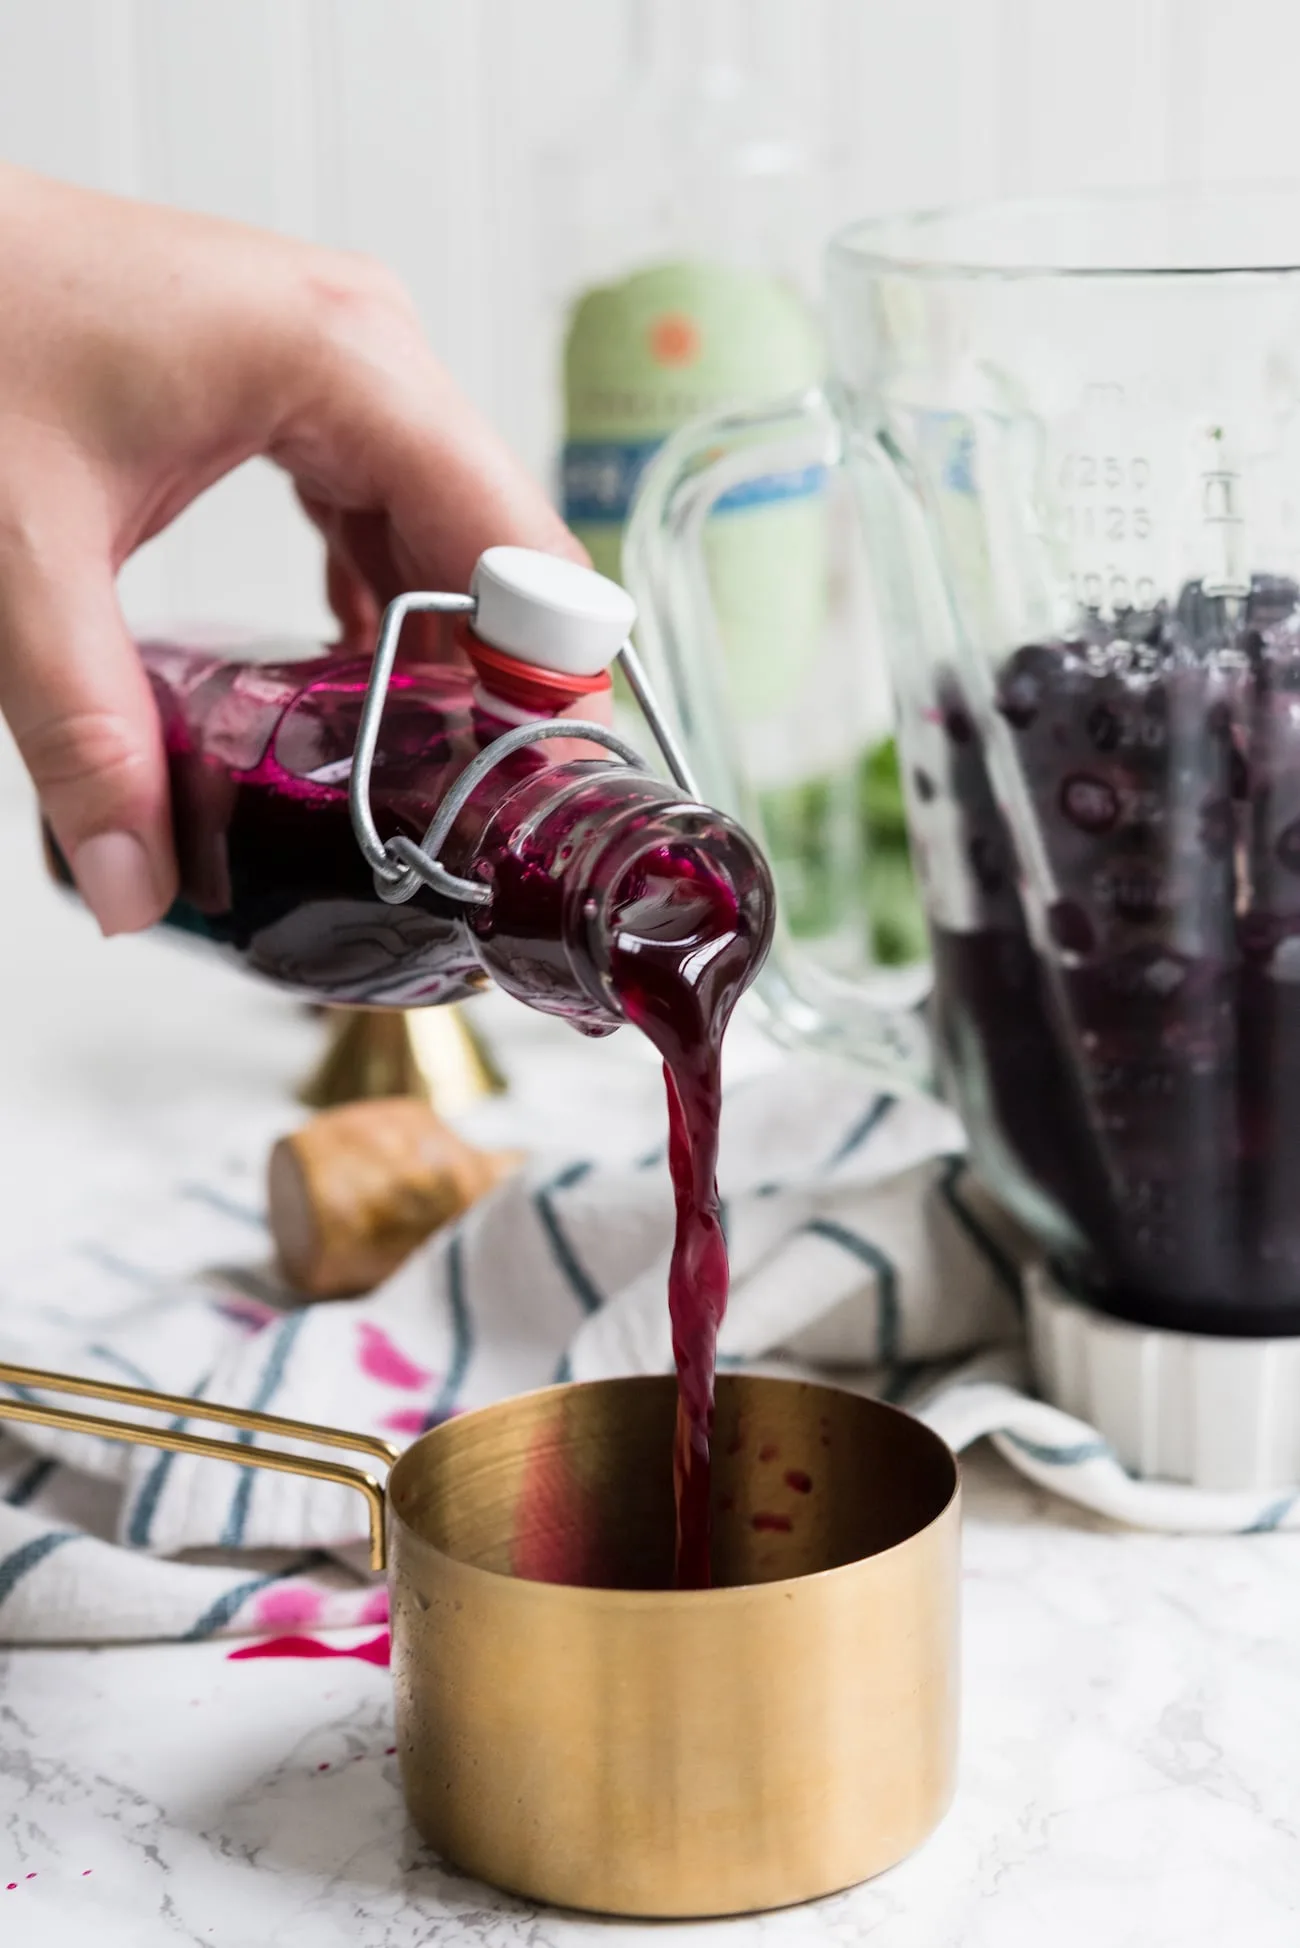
x=78 y=702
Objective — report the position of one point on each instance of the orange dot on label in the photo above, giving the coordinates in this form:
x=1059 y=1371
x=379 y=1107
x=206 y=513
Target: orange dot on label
x=674 y=339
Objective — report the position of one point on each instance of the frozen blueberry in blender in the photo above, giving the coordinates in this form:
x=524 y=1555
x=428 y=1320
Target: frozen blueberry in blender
x=1122 y=1029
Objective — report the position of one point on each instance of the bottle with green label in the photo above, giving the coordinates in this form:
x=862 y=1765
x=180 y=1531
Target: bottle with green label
x=684 y=235
x=649 y=351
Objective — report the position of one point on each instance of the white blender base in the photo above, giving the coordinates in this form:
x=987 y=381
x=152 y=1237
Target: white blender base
x=1217 y=1413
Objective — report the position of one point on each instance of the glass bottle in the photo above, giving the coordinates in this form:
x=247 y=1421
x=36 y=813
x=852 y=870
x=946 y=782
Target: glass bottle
x=584 y=857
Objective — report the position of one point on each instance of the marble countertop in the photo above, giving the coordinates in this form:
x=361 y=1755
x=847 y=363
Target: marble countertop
x=1131 y=1744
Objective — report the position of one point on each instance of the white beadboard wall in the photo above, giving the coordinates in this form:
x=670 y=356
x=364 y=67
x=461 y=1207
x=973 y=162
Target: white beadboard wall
x=412 y=128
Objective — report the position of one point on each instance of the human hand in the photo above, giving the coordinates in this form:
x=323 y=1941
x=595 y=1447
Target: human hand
x=144 y=353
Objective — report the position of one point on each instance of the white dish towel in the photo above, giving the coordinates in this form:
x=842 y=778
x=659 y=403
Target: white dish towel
x=862 y=1250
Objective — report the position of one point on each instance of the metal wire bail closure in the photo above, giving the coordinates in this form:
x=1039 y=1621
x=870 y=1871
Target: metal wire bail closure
x=400 y=866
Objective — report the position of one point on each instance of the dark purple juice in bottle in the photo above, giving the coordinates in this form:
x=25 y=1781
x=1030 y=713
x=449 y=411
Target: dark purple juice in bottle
x=613 y=899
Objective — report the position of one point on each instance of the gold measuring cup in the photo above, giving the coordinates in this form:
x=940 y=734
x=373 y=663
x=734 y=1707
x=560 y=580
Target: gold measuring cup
x=572 y=1730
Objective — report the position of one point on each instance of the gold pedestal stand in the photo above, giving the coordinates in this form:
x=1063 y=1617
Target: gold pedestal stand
x=434 y=1054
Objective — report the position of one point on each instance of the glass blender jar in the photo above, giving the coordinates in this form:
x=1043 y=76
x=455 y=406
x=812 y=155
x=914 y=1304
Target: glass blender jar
x=1073 y=432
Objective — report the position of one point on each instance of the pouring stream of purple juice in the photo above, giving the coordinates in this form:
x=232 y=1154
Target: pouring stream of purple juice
x=682 y=1000
x=613 y=899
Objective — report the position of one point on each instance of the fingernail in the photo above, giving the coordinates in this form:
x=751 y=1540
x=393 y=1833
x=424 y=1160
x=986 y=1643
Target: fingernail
x=114 y=879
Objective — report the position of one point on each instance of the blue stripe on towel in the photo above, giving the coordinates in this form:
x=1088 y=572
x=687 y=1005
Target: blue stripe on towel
x=987 y=1246
x=886 y=1277
x=584 y=1289
x=30 y=1483
x=462 y=1334
x=122 y=1268
x=217 y=1200
x=1068 y=1455
x=218 y=1614
x=867 y=1123
x=16 y=1565
x=900 y=1381
x=146 y=1505
x=572 y=1173
x=127 y=1368
x=1272 y=1517
x=237 y=1514
x=232 y=1536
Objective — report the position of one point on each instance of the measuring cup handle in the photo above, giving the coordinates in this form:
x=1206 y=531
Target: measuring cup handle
x=664 y=568
x=33 y=1379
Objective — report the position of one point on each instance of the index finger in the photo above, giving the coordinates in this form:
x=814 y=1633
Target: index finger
x=383 y=428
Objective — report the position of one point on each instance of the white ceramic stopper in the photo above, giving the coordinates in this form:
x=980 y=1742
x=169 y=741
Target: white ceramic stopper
x=548 y=611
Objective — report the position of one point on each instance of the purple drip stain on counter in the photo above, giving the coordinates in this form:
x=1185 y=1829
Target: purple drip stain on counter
x=376 y=1650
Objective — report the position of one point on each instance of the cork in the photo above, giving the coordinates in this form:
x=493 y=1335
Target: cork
x=355 y=1190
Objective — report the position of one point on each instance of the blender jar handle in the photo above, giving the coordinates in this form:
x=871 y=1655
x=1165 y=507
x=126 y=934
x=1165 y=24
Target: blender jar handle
x=664 y=568
x=73 y=1421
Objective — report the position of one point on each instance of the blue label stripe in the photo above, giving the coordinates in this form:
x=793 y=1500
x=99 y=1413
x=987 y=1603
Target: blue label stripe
x=599 y=479
x=886 y=1277
x=20 y=1562
x=218 y=1614
x=30 y=1484
x=987 y=1246
x=462 y=1335
x=865 y=1126
x=583 y=1287
x=563 y=1372
x=232 y=1535
x=800 y=483
x=1068 y=1455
